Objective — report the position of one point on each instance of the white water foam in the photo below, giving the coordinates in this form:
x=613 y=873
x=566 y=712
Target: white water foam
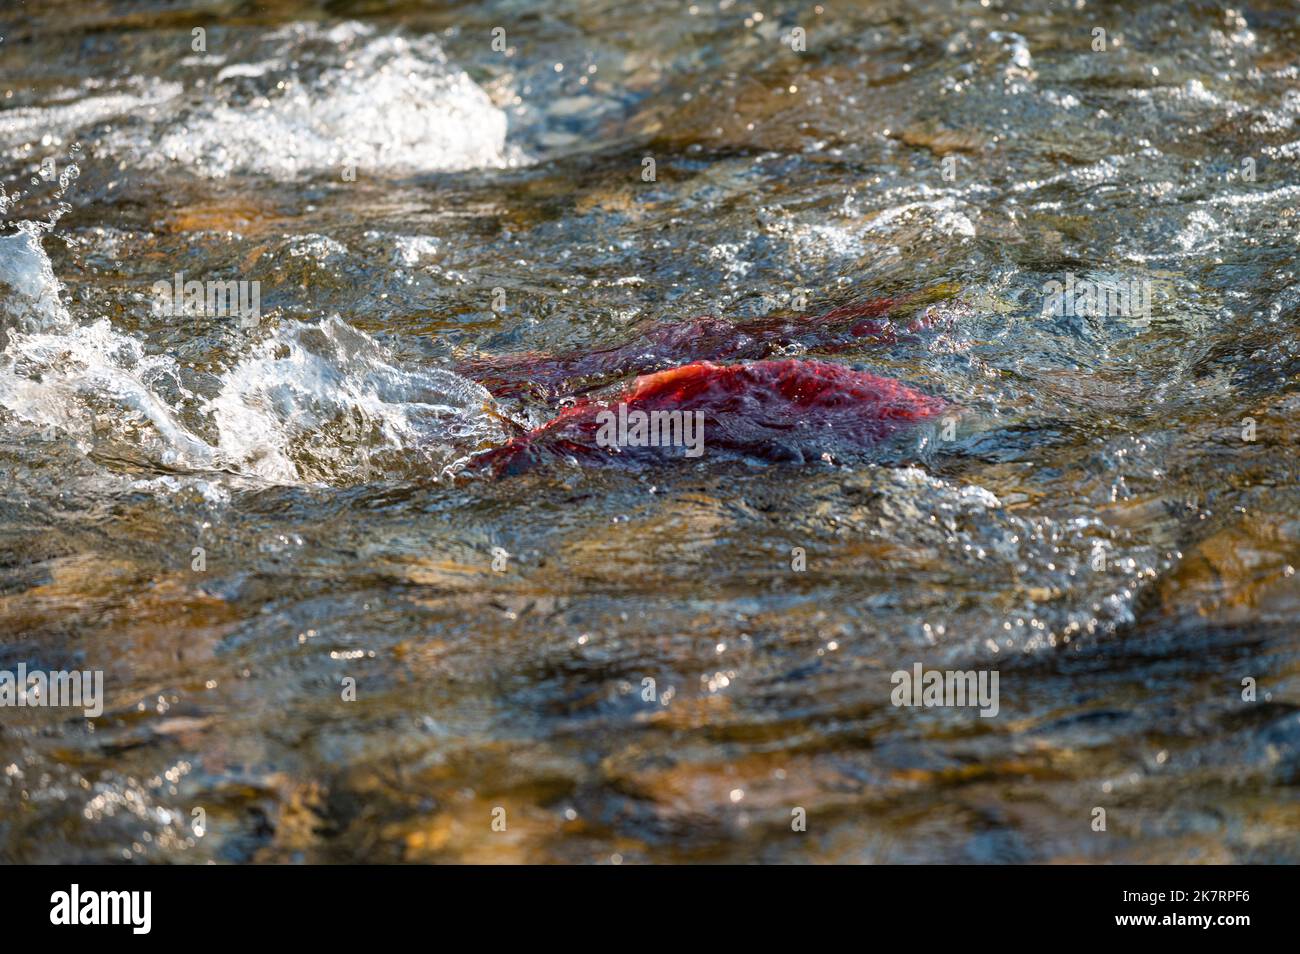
x=387 y=103
x=309 y=402
x=311 y=100
x=327 y=399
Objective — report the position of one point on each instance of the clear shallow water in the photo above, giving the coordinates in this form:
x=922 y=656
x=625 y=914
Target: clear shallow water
x=318 y=458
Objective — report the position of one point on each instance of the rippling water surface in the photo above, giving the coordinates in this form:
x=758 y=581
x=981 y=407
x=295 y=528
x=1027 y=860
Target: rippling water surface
x=232 y=521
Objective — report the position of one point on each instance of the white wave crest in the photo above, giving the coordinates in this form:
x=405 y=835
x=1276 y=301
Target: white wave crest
x=304 y=99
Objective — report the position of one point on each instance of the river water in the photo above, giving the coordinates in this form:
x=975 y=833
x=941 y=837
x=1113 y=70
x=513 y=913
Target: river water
x=325 y=637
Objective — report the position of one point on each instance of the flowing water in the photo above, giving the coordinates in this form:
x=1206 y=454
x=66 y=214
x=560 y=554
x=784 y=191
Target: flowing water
x=326 y=637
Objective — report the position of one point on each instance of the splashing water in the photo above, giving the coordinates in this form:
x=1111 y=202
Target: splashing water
x=31 y=303
x=317 y=401
x=396 y=105
x=308 y=402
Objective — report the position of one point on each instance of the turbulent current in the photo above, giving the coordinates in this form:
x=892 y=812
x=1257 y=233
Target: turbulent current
x=286 y=514
x=307 y=401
